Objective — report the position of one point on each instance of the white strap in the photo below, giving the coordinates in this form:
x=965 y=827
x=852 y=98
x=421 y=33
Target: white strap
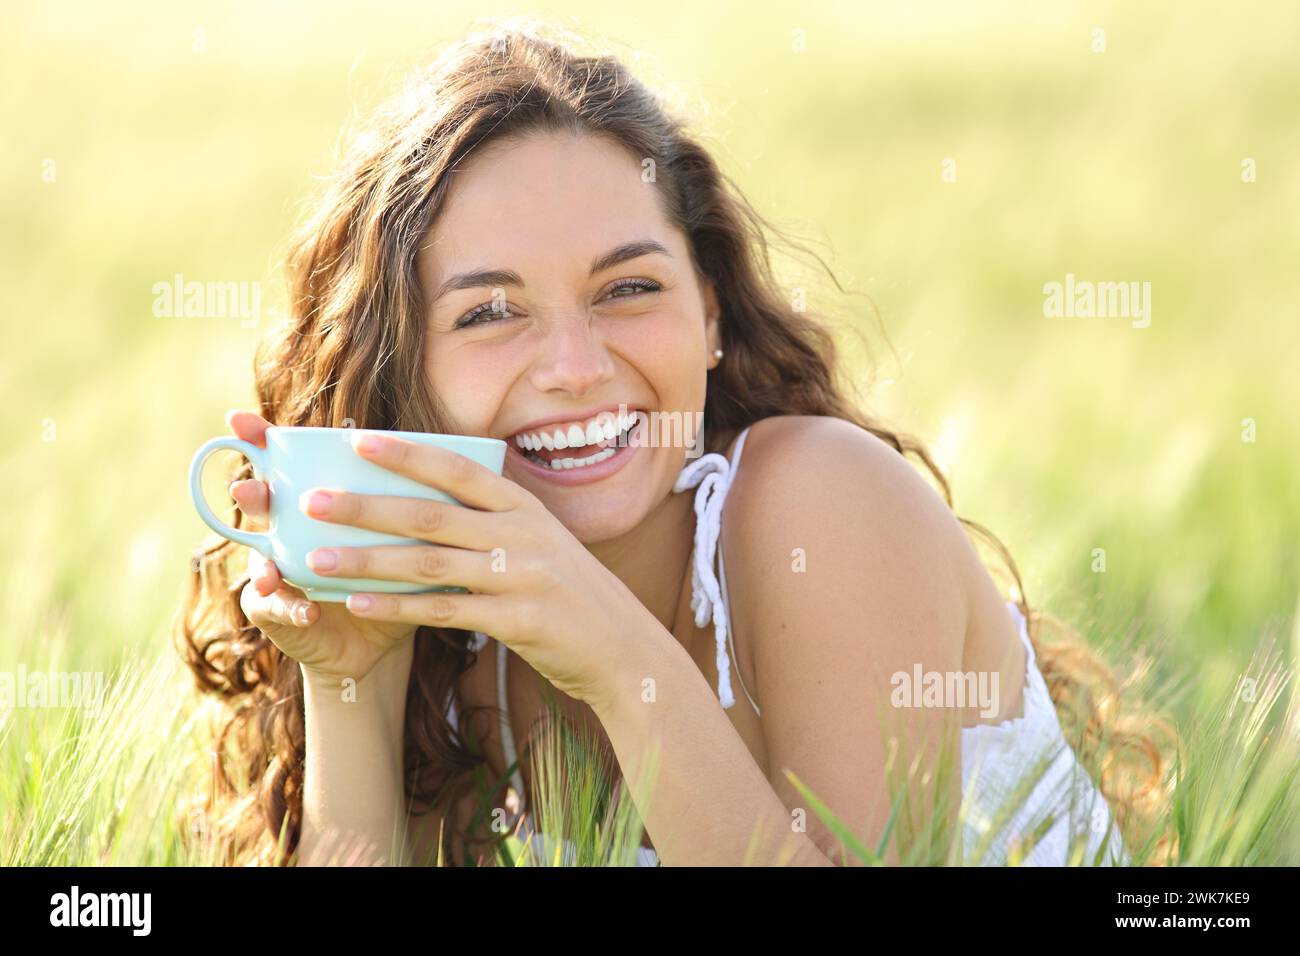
x=712 y=473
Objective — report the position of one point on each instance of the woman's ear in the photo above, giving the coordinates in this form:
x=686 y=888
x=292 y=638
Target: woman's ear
x=712 y=327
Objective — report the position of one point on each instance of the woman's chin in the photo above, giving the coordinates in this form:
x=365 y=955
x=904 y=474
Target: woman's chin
x=600 y=512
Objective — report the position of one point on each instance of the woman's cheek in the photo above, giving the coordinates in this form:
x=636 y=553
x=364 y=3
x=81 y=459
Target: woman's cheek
x=661 y=347
x=677 y=356
x=470 y=386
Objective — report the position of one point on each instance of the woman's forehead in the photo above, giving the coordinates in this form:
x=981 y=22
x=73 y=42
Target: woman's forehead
x=548 y=202
x=548 y=183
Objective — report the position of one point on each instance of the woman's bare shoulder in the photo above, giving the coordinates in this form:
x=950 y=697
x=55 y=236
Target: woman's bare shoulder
x=825 y=520
x=821 y=503
x=822 y=465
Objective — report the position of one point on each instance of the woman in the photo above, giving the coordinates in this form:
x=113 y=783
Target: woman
x=525 y=246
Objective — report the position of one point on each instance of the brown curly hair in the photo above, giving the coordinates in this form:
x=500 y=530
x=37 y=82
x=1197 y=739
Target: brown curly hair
x=351 y=355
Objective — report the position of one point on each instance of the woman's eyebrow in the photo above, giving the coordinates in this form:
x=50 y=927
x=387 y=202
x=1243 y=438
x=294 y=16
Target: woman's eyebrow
x=478 y=278
x=628 y=250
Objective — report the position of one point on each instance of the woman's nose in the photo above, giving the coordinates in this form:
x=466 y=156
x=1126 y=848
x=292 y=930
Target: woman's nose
x=572 y=359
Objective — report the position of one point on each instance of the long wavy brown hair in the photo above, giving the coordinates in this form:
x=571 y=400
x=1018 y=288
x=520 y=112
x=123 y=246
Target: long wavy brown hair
x=351 y=355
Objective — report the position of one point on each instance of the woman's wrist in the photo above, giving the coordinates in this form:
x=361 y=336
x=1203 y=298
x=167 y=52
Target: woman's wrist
x=387 y=675
x=646 y=655
x=381 y=691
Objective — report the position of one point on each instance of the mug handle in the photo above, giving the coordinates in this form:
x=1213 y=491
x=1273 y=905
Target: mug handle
x=254 y=539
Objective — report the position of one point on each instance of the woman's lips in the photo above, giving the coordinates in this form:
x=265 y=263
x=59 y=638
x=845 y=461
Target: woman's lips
x=576 y=476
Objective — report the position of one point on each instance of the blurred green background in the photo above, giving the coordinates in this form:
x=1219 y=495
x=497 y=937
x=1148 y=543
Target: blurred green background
x=151 y=140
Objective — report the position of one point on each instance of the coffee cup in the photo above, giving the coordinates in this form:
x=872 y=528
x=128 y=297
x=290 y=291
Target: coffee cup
x=297 y=459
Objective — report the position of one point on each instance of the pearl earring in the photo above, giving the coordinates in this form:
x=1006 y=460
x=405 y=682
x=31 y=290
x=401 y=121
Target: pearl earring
x=717 y=353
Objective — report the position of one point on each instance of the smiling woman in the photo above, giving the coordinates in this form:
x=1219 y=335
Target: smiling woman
x=494 y=260
x=591 y=299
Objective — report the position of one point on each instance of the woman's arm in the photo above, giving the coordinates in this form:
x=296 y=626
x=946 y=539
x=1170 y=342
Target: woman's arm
x=354 y=808
x=707 y=799
x=836 y=591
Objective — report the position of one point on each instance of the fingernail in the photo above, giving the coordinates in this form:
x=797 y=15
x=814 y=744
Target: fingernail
x=316 y=502
x=369 y=443
x=233 y=485
x=323 y=560
x=360 y=602
x=300 y=614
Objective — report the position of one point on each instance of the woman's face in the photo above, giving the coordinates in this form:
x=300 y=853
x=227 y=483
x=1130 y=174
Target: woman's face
x=556 y=290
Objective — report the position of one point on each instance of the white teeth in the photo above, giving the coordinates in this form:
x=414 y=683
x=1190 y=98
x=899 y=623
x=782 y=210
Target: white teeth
x=606 y=426
x=582 y=462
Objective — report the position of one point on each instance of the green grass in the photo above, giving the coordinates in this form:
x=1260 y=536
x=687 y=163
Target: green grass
x=117 y=787
x=1064 y=436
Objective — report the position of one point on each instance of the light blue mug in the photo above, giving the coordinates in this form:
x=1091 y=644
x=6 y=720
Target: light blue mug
x=296 y=459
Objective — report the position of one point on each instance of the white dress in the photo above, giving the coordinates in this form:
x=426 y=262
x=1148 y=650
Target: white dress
x=995 y=757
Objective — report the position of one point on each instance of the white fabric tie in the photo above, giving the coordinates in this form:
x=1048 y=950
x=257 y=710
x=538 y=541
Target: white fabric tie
x=712 y=472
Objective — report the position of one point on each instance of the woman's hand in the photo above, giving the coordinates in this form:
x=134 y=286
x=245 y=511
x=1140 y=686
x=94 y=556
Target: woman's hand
x=533 y=585
x=324 y=637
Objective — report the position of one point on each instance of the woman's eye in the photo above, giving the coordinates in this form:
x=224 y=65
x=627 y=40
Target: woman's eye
x=472 y=316
x=626 y=288
x=636 y=285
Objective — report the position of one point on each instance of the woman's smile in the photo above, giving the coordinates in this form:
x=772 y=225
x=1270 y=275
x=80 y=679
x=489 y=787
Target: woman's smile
x=578 y=453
